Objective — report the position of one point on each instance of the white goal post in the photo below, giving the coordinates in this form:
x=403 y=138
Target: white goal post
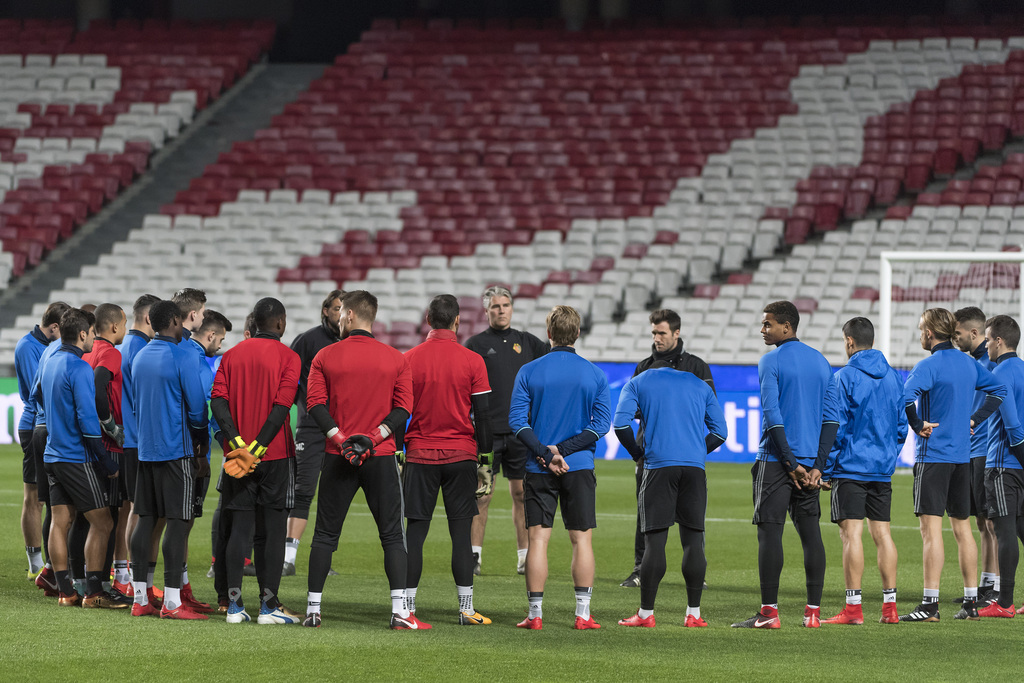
x=887 y=258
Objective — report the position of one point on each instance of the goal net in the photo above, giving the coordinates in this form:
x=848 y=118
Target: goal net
x=912 y=281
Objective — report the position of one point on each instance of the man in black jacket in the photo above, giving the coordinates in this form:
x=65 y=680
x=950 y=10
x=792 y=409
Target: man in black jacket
x=667 y=347
x=309 y=440
x=504 y=351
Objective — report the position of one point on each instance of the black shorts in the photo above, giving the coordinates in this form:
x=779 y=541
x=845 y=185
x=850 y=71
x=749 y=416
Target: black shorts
x=117 y=489
x=130 y=471
x=575 y=492
x=28 y=457
x=166 y=489
x=271 y=485
x=942 y=488
x=1004 y=489
x=309 y=459
x=339 y=481
x=979 y=506
x=509 y=456
x=775 y=495
x=672 y=494
x=199 y=490
x=39 y=437
x=456 y=480
x=855 y=499
x=77 y=484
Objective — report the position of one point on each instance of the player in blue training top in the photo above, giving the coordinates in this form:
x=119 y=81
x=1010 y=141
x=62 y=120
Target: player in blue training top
x=970 y=338
x=1004 y=477
x=799 y=406
x=170 y=408
x=26 y=364
x=77 y=464
x=945 y=383
x=560 y=400
x=872 y=429
x=674 y=406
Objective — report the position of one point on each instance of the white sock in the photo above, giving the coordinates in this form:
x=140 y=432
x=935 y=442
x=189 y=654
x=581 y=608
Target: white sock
x=987 y=579
x=931 y=595
x=853 y=597
x=398 y=603
x=172 y=597
x=478 y=550
x=583 y=601
x=121 y=574
x=410 y=598
x=521 y=554
x=971 y=593
x=150 y=573
x=536 y=601
x=141 y=596
x=313 y=602
x=774 y=606
x=693 y=612
x=291 y=550
x=35 y=558
x=466 y=599
x=995 y=584
x=48 y=566
x=184 y=575
x=644 y=613
x=888 y=595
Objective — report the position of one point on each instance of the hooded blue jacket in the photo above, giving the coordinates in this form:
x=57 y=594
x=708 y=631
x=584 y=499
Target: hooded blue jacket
x=1004 y=428
x=872 y=420
x=979 y=439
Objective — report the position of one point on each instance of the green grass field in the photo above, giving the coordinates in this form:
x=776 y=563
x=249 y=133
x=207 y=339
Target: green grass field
x=40 y=641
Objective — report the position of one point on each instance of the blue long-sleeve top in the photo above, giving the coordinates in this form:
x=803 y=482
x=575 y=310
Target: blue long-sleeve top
x=945 y=383
x=169 y=400
x=872 y=420
x=67 y=389
x=133 y=342
x=205 y=377
x=39 y=410
x=677 y=410
x=798 y=399
x=26 y=362
x=1005 y=425
x=979 y=439
x=558 y=397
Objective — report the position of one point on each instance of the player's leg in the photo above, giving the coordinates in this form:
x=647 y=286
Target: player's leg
x=931 y=483
x=805 y=509
x=63 y=515
x=96 y=546
x=691 y=506
x=540 y=498
x=339 y=482
x=76 y=552
x=275 y=496
x=652 y=570
x=958 y=505
x=420 y=483
x=309 y=458
x=122 y=577
x=847 y=511
x=458 y=482
x=177 y=495
x=1007 y=488
x=31 y=508
x=200 y=485
x=634 y=579
x=771 y=494
x=238 y=519
x=878 y=505
x=657 y=499
x=514 y=469
x=988 y=549
x=381 y=483
x=578 y=502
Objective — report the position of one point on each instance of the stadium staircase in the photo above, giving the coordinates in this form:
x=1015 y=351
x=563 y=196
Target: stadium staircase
x=708 y=170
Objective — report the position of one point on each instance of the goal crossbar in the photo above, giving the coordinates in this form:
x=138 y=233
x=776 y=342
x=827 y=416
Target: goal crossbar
x=887 y=258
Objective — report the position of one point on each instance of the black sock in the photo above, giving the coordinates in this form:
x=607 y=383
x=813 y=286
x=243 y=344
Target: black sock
x=1009 y=555
x=695 y=564
x=94 y=583
x=64 y=582
x=809 y=529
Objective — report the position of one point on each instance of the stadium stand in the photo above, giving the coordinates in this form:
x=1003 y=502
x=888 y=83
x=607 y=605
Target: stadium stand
x=704 y=170
x=81 y=113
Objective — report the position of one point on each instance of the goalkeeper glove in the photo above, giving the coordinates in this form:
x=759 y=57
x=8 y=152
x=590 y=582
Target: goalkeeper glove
x=240 y=461
x=485 y=474
x=357 y=448
x=400 y=457
x=113 y=430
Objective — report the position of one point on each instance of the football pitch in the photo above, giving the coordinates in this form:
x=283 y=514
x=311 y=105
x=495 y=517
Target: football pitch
x=39 y=641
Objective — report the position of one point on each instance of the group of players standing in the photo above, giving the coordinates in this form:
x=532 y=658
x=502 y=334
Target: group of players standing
x=116 y=436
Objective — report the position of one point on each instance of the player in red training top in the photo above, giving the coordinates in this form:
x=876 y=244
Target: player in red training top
x=105 y=359
x=359 y=393
x=448 y=382
x=252 y=394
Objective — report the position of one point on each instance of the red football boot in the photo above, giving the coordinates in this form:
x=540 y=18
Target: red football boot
x=146 y=610
x=851 y=614
x=189 y=600
x=585 y=624
x=47 y=582
x=994 y=610
x=637 y=620
x=812 y=617
x=154 y=599
x=534 y=624
x=889 y=614
x=180 y=612
x=694 y=622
